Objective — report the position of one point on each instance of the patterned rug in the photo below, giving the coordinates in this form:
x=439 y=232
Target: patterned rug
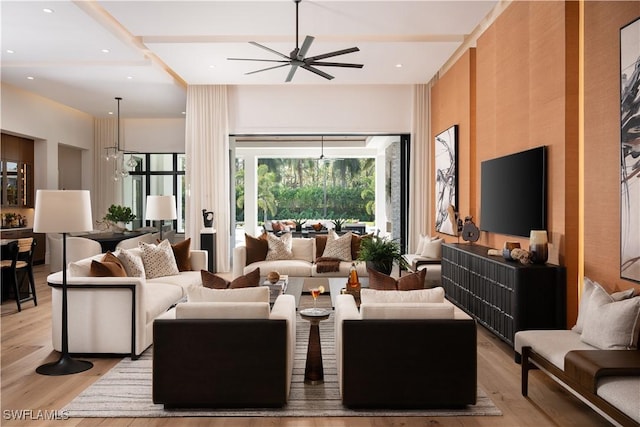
x=125 y=391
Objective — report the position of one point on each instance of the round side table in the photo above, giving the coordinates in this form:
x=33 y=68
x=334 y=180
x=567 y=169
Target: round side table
x=314 y=372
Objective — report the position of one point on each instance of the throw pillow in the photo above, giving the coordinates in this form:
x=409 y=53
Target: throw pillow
x=257 y=248
x=321 y=243
x=213 y=281
x=279 y=247
x=338 y=247
x=410 y=282
x=108 y=266
x=182 y=254
x=421 y=240
x=588 y=289
x=355 y=245
x=432 y=249
x=202 y=294
x=611 y=325
x=423 y=295
x=132 y=262
x=158 y=260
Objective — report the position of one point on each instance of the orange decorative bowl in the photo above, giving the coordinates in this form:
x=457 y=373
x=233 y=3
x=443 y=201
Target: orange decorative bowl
x=273 y=277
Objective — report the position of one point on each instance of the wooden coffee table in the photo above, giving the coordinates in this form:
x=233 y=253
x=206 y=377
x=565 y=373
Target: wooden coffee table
x=314 y=371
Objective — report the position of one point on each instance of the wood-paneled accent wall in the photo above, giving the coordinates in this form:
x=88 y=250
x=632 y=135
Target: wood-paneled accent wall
x=603 y=21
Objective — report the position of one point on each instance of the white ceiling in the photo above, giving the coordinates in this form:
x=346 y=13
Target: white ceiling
x=156 y=48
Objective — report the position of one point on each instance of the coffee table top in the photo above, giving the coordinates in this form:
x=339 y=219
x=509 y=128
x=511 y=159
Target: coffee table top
x=337 y=283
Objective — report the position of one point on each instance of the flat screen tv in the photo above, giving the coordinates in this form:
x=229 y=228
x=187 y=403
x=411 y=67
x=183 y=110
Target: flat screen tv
x=513 y=193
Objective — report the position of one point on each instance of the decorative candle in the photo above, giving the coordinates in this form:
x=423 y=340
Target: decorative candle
x=538 y=246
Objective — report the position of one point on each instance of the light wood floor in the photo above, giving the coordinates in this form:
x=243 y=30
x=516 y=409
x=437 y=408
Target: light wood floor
x=26 y=344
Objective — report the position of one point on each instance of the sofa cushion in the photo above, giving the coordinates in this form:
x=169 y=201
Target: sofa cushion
x=338 y=247
x=292 y=267
x=132 y=261
x=202 y=294
x=422 y=295
x=183 y=280
x=553 y=345
x=408 y=282
x=222 y=310
x=158 y=298
x=302 y=248
x=158 y=259
x=257 y=248
x=612 y=325
x=279 y=247
x=406 y=311
x=182 y=254
x=213 y=281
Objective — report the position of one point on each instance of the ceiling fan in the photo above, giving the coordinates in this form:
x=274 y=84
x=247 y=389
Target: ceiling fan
x=297 y=57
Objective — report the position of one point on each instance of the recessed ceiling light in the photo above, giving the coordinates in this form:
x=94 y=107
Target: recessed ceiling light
x=48 y=10
x=130 y=77
x=30 y=78
x=398 y=65
x=105 y=51
x=212 y=66
x=111 y=113
x=184 y=112
x=10 y=51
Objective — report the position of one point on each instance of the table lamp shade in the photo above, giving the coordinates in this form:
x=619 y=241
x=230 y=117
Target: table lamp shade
x=161 y=207
x=62 y=211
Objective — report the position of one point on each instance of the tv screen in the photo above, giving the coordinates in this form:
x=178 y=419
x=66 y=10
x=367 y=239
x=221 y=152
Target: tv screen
x=513 y=193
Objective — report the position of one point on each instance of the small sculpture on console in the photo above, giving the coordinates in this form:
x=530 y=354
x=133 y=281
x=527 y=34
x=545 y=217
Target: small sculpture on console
x=207 y=217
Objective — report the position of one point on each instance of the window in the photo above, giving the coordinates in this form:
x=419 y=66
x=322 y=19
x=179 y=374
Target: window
x=160 y=174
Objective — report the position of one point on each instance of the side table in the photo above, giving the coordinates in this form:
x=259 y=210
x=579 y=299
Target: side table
x=314 y=372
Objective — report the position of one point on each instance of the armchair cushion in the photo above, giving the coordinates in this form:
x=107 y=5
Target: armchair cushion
x=406 y=311
x=202 y=294
x=222 y=310
x=422 y=295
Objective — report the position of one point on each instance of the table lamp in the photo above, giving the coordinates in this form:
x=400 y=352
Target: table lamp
x=160 y=208
x=63 y=211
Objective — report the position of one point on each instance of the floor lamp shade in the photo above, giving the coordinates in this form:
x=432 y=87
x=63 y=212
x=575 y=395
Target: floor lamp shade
x=161 y=207
x=62 y=211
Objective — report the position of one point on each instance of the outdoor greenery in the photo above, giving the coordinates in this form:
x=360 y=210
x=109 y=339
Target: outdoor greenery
x=311 y=188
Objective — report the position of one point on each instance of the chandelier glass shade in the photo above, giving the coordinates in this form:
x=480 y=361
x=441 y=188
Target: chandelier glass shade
x=116 y=155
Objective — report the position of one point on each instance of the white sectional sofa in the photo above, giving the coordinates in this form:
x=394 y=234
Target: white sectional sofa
x=302 y=265
x=114 y=315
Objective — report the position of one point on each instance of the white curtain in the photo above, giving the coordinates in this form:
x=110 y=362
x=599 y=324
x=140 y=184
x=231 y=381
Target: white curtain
x=207 y=169
x=420 y=176
x=106 y=191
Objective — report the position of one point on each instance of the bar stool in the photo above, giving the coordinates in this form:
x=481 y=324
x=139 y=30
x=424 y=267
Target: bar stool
x=20 y=261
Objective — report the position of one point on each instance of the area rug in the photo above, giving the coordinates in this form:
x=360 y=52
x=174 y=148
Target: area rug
x=125 y=391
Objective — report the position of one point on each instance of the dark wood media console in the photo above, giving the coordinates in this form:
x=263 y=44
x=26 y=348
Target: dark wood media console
x=504 y=296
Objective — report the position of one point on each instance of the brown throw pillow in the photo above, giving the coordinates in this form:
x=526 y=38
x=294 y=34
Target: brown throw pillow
x=210 y=280
x=380 y=281
x=108 y=266
x=321 y=243
x=257 y=248
x=182 y=252
x=249 y=280
x=412 y=281
x=213 y=281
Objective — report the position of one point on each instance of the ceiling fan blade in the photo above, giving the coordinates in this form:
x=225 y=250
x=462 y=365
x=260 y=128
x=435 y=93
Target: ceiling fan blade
x=294 y=68
x=318 y=72
x=266 y=69
x=334 y=64
x=336 y=53
x=260 y=60
x=269 y=49
x=306 y=44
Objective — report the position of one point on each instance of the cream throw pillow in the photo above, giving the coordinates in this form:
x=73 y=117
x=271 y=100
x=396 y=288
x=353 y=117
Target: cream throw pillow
x=132 y=261
x=279 y=247
x=588 y=289
x=611 y=325
x=338 y=246
x=432 y=249
x=159 y=260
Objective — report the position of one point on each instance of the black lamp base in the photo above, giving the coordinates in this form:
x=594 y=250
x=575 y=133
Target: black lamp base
x=64 y=366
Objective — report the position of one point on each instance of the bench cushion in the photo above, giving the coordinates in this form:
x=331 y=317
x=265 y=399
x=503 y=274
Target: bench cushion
x=553 y=345
x=622 y=392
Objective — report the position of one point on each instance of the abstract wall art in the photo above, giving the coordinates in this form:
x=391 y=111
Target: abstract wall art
x=446 y=149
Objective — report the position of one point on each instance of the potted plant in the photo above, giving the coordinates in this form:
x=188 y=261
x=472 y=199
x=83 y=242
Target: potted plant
x=380 y=253
x=118 y=217
x=338 y=223
x=299 y=222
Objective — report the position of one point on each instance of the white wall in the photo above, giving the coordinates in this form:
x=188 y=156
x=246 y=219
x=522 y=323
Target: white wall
x=153 y=135
x=305 y=109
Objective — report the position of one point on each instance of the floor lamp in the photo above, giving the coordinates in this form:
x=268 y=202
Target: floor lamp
x=160 y=208
x=63 y=211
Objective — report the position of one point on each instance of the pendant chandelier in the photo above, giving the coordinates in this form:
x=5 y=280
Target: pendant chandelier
x=115 y=154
